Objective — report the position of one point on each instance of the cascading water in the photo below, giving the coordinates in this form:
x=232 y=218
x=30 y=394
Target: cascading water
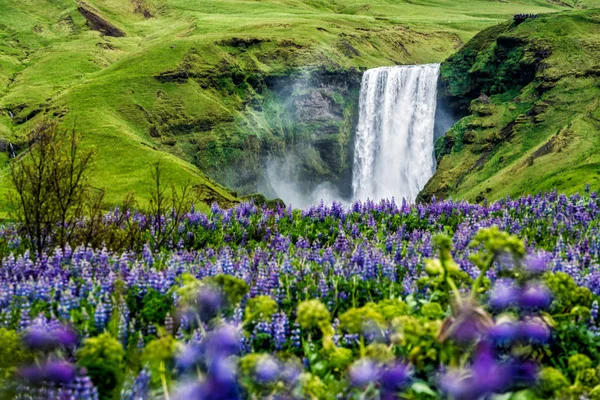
x=394 y=145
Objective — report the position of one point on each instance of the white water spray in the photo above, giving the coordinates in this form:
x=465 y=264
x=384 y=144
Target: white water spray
x=394 y=145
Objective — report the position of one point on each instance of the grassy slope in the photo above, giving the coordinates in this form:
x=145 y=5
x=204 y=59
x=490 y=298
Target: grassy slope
x=52 y=64
x=539 y=134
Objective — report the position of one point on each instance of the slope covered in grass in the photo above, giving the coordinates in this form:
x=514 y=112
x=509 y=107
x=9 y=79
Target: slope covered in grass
x=190 y=83
x=535 y=125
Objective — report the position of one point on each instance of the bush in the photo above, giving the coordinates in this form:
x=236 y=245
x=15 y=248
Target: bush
x=103 y=357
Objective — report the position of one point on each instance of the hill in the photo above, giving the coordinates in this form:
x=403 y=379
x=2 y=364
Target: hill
x=530 y=93
x=215 y=88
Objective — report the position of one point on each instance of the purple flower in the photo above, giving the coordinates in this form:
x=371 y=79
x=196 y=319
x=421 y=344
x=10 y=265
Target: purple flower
x=460 y=385
x=396 y=377
x=59 y=371
x=38 y=339
x=267 y=370
x=189 y=357
x=536 y=264
x=504 y=332
x=524 y=373
x=64 y=336
x=490 y=374
x=534 y=297
x=209 y=302
x=363 y=372
x=469 y=325
x=220 y=383
x=290 y=372
x=188 y=390
x=505 y=294
x=535 y=330
x=222 y=342
x=31 y=374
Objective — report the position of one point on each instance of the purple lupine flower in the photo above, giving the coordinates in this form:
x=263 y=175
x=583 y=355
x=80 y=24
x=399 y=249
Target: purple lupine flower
x=222 y=342
x=169 y=324
x=59 y=372
x=505 y=294
x=535 y=330
x=504 y=332
x=100 y=317
x=396 y=378
x=37 y=338
x=535 y=297
x=267 y=370
x=209 y=302
x=363 y=372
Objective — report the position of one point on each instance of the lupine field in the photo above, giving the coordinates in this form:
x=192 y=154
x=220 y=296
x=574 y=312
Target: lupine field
x=376 y=301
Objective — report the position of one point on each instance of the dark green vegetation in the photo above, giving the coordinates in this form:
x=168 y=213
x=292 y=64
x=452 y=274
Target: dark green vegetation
x=215 y=87
x=531 y=96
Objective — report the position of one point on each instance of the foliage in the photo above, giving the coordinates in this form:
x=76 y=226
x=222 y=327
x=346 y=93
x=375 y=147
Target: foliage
x=260 y=308
x=529 y=109
x=103 y=358
x=159 y=356
x=378 y=298
x=12 y=353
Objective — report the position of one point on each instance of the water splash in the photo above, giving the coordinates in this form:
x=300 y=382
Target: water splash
x=394 y=145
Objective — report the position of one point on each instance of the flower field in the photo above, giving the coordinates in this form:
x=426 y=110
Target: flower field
x=377 y=301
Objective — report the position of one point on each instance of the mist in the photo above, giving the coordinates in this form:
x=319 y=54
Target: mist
x=284 y=180
x=445 y=118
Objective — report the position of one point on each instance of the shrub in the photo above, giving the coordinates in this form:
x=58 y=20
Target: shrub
x=103 y=357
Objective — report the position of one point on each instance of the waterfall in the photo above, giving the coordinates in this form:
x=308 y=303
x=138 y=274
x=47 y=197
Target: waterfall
x=394 y=144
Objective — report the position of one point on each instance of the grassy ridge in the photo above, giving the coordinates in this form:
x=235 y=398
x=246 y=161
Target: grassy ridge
x=52 y=64
x=539 y=128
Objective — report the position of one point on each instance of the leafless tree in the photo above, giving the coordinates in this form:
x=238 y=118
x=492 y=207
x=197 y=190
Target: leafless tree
x=52 y=189
x=167 y=206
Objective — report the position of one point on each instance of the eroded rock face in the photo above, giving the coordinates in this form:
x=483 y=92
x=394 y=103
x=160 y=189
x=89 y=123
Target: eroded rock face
x=321 y=110
x=97 y=22
x=318 y=106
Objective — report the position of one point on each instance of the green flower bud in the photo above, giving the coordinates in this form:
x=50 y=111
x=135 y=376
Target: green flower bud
x=433 y=267
x=579 y=362
x=392 y=308
x=550 y=382
x=379 y=352
x=356 y=319
x=588 y=377
x=312 y=387
x=432 y=311
x=339 y=358
x=312 y=314
x=260 y=308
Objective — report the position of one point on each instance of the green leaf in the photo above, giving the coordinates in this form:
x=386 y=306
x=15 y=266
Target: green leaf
x=422 y=388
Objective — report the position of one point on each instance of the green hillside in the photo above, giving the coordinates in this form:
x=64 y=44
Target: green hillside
x=535 y=125
x=202 y=85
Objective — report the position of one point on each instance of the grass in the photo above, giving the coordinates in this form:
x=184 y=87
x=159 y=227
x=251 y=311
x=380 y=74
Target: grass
x=554 y=143
x=52 y=65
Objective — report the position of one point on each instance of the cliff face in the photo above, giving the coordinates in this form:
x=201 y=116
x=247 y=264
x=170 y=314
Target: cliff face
x=529 y=95
x=305 y=121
